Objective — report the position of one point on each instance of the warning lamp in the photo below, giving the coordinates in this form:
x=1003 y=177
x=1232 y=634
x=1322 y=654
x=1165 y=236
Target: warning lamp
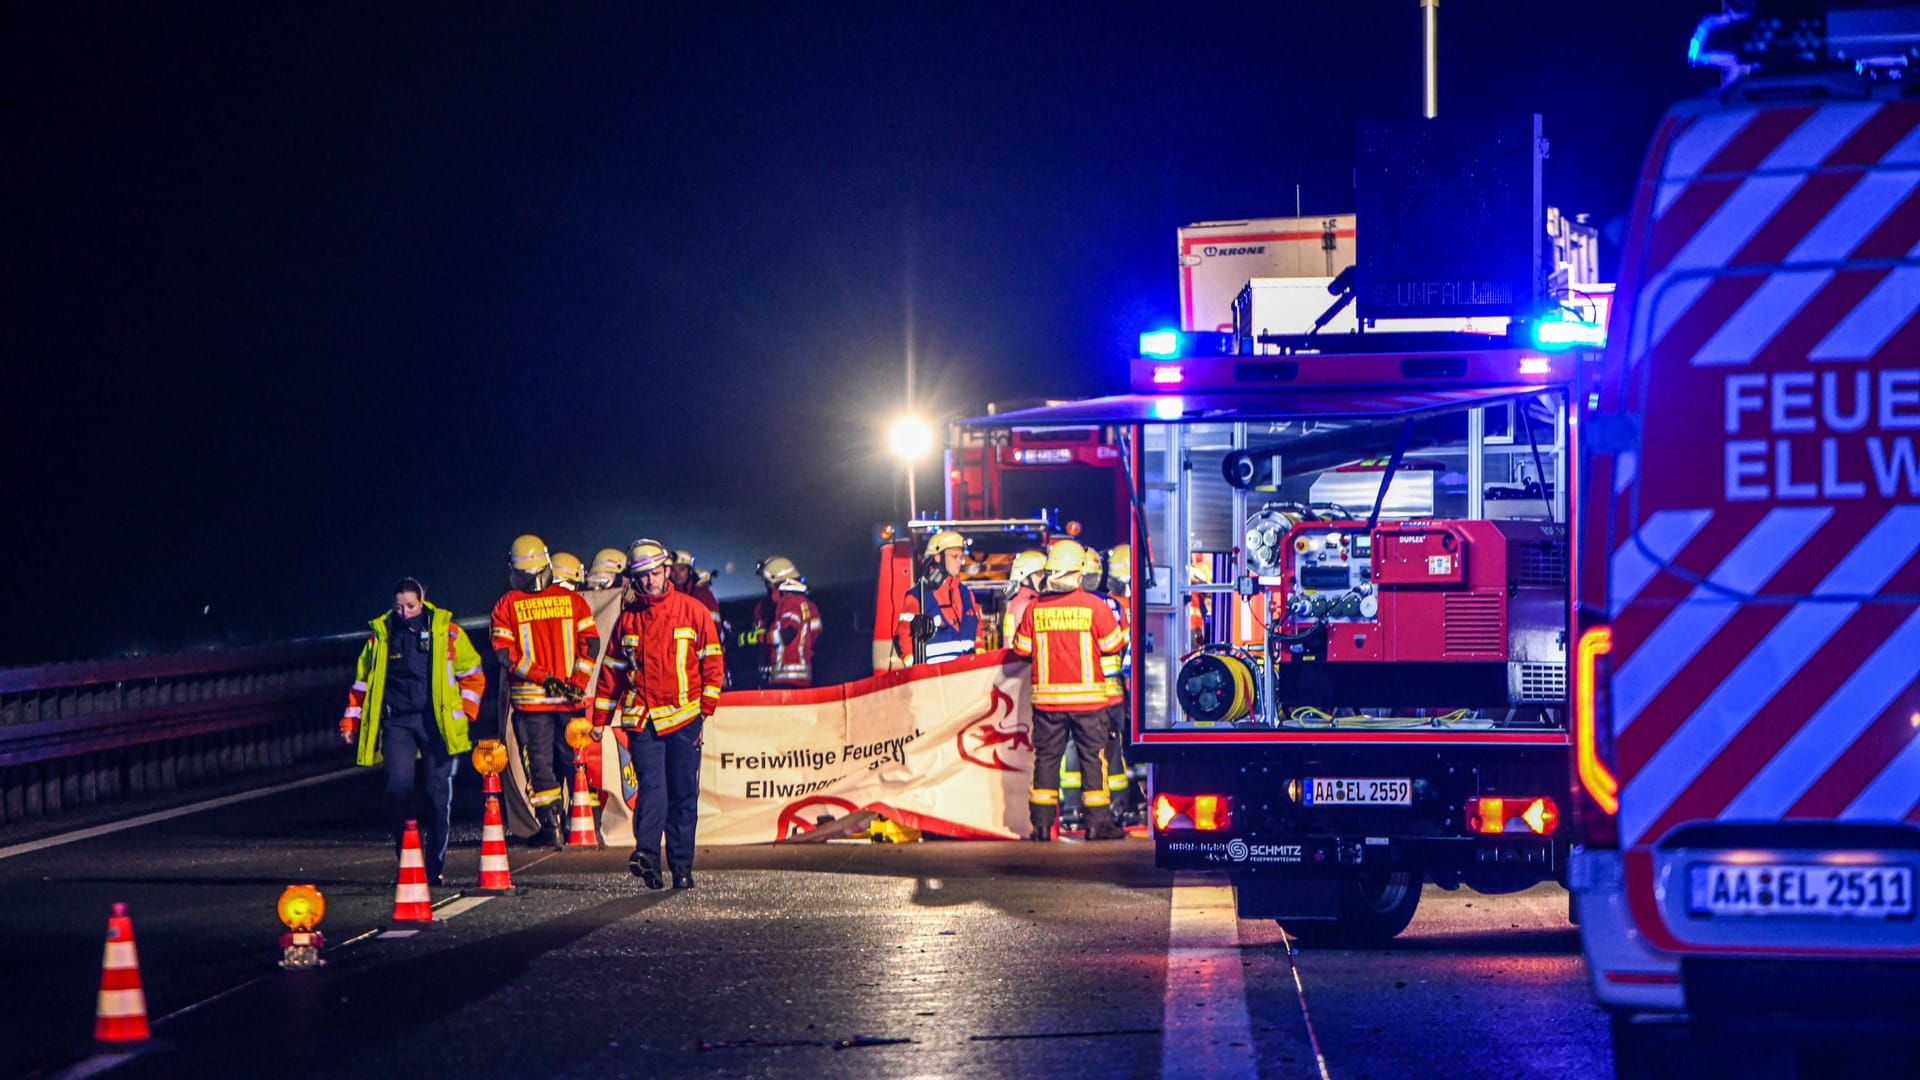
x=579 y=733
x=1168 y=408
x=490 y=757
x=1559 y=330
x=1167 y=375
x=1202 y=813
x=1492 y=815
x=301 y=909
x=1160 y=344
x=1073 y=528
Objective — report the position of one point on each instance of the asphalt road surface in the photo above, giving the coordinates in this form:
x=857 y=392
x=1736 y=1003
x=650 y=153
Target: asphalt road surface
x=930 y=959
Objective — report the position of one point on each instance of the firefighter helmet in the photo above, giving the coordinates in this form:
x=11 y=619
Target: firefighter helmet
x=1066 y=557
x=1090 y=563
x=945 y=540
x=1025 y=565
x=567 y=568
x=1120 y=563
x=644 y=554
x=528 y=554
x=682 y=557
x=776 y=569
x=607 y=567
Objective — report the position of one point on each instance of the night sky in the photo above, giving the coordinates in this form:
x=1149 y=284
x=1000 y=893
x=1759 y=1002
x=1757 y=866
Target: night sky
x=307 y=298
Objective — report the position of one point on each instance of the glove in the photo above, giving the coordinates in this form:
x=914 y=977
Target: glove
x=921 y=628
x=788 y=633
x=555 y=686
x=349 y=727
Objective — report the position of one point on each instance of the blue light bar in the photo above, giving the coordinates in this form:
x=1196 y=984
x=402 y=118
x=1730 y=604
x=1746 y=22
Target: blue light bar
x=1160 y=344
x=1565 y=333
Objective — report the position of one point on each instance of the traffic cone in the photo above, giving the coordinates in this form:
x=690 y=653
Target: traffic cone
x=495 y=878
x=580 y=829
x=412 y=904
x=120 y=1018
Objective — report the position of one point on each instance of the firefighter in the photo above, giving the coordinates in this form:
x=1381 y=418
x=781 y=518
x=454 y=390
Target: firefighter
x=608 y=566
x=567 y=571
x=1118 y=669
x=787 y=626
x=546 y=641
x=1064 y=632
x=686 y=579
x=939 y=620
x=416 y=689
x=660 y=681
x=1023 y=579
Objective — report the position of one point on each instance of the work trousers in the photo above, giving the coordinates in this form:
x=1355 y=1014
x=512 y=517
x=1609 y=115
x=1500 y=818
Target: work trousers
x=1089 y=732
x=416 y=756
x=668 y=769
x=1119 y=783
x=543 y=738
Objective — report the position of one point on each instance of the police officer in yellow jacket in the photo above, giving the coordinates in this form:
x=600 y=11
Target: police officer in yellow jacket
x=416 y=688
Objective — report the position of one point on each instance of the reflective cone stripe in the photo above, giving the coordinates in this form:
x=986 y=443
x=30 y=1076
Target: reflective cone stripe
x=121 y=1014
x=494 y=874
x=580 y=831
x=411 y=901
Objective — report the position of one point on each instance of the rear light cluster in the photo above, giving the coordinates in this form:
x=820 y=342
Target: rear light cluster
x=1593 y=754
x=1496 y=814
x=1204 y=813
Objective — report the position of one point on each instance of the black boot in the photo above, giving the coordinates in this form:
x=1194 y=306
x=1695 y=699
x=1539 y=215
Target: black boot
x=683 y=879
x=647 y=868
x=1042 y=817
x=553 y=827
x=1100 y=825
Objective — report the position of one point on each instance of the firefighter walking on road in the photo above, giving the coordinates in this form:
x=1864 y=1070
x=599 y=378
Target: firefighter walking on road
x=660 y=681
x=1066 y=632
x=939 y=620
x=415 y=691
x=546 y=641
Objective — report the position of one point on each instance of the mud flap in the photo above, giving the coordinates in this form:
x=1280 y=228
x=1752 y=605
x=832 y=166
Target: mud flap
x=1263 y=897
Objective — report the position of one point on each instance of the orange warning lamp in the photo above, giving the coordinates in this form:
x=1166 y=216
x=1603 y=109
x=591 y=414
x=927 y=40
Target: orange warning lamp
x=1073 y=529
x=579 y=732
x=302 y=907
x=490 y=757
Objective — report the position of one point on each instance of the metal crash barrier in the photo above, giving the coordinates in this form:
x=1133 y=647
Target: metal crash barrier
x=79 y=734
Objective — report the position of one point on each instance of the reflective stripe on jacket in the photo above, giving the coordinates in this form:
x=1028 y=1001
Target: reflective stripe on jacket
x=664 y=667
x=1066 y=634
x=545 y=633
x=457 y=683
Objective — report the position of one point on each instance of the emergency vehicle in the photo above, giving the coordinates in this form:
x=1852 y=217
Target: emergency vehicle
x=1352 y=578
x=1747 y=677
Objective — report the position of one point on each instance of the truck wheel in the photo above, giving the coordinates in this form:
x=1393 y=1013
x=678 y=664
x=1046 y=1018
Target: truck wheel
x=1373 y=910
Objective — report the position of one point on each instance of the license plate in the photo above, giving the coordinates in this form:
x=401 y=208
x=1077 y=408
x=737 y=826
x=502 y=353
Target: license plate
x=1797 y=889
x=1356 y=791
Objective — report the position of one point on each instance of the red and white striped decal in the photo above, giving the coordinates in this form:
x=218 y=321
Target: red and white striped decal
x=1776 y=674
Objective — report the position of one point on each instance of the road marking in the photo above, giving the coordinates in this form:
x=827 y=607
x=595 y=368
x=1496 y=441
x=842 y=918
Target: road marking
x=1207 y=1032
x=78 y=835
x=460 y=907
x=1306 y=1014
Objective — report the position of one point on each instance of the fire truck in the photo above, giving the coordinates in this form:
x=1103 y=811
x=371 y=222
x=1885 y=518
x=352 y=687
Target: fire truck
x=1747 y=675
x=1352 y=570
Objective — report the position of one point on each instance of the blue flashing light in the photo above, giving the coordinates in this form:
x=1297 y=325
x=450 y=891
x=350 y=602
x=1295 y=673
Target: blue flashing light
x=1160 y=344
x=1564 y=332
x=1169 y=408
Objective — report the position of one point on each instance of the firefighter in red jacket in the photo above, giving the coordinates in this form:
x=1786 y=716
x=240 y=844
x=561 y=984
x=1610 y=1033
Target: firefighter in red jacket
x=1023 y=579
x=660 y=681
x=690 y=581
x=787 y=625
x=939 y=620
x=1066 y=632
x=545 y=639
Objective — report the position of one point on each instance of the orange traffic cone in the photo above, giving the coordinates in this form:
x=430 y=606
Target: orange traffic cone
x=121 y=1015
x=412 y=904
x=580 y=829
x=495 y=877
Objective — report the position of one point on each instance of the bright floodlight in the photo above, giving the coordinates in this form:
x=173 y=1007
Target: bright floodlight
x=910 y=438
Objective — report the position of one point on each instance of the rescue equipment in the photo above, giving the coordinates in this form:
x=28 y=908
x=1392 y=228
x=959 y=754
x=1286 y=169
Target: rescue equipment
x=1218 y=686
x=301 y=908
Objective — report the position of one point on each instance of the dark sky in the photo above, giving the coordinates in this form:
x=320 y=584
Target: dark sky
x=308 y=297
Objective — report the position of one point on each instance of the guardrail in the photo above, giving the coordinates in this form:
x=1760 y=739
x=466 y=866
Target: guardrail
x=90 y=732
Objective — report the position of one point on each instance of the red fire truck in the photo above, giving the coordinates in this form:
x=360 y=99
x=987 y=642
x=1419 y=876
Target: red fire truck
x=1748 y=626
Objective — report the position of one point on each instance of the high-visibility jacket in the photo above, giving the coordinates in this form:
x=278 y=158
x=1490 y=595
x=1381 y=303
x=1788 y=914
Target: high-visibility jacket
x=788 y=663
x=705 y=595
x=1021 y=599
x=664 y=667
x=456 y=679
x=545 y=633
x=1066 y=634
x=1114 y=666
x=956 y=620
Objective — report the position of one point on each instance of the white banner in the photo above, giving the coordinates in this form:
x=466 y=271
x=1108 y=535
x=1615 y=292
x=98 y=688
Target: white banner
x=946 y=749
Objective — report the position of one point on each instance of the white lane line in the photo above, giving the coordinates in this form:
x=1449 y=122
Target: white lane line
x=78 y=835
x=1205 y=1028
x=460 y=907
x=1306 y=1014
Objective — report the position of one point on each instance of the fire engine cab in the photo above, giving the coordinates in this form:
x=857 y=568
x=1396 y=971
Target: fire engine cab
x=1747 y=675
x=1352 y=589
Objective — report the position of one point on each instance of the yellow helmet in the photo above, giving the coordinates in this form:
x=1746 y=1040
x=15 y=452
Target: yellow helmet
x=645 y=554
x=607 y=567
x=1090 y=563
x=1066 y=557
x=528 y=554
x=682 y=557
x=1120 y=563
x=567 y=568
x=1025 y=565
x=775 y=569
x=945 y=540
